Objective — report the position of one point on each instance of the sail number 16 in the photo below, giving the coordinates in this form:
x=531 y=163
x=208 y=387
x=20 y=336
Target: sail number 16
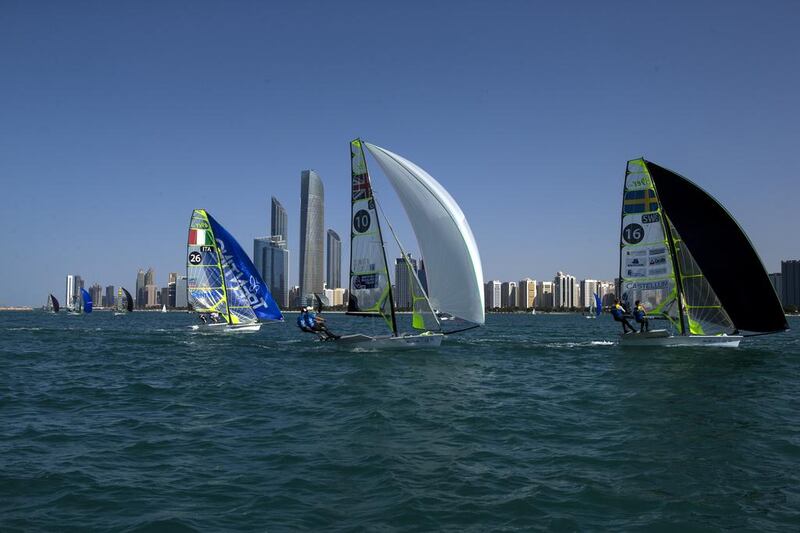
x=633 y=233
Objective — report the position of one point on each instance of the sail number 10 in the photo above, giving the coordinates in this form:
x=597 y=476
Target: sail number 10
x=633 y=233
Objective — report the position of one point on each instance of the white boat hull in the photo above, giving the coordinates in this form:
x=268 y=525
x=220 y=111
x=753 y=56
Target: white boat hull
x=227 y=328
x=661 y=337
x=403 y=342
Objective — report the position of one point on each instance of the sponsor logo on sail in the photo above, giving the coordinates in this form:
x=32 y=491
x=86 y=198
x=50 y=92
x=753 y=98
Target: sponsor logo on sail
x=235 y=275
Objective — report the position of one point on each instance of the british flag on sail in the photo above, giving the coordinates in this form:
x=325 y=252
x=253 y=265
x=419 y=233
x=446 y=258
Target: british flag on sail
x=361 y=188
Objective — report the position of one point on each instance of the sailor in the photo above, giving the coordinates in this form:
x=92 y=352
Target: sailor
x=302 y=321
x=215 y=317
x=203 y=318
x=313 y=323
x=640 y=315
x=618 y=312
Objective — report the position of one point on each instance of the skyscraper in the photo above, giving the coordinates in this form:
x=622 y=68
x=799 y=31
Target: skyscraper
x=110 y=296
x=271 y=259
x=181 y=293
x=777 y=284
x=402 y=278
x=508 y=294
x=544 y=294
x=526 y=293
x=587 y=289
x=279 y=222
x=150 y=277
x=333 y=273
x=312 y=230
x=69 y=293
x=790 y=280
x=492 y=294
x=564 y=291
x=140 y=296
x=96 y=293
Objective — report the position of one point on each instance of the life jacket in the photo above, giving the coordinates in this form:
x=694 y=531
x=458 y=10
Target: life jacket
x=617 y=311
x=311 y=320
x=639 y=313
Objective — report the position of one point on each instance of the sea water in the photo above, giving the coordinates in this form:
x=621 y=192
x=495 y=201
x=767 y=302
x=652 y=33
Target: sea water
x=136 y=423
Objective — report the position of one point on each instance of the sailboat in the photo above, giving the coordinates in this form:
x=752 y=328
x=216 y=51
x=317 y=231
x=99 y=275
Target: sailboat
x=685 y=258
x=124 y=304
x=596 y=308
x=164 y=308
x=81 y=305
x=222 y=280
x=52 y=305
x=452 y=263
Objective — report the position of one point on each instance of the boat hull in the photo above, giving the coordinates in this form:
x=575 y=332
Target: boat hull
x=661 y=337
x=403 y=342
x=226 y=328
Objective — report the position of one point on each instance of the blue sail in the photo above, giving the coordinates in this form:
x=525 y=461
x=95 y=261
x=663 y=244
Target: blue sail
x=245 y=274
x=87 y=301
x=598 y=304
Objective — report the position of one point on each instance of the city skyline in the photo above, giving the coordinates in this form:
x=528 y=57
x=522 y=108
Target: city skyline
x=525 y=113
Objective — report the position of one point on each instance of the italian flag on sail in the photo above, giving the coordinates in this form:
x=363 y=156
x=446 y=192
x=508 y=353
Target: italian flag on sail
x=200 y=237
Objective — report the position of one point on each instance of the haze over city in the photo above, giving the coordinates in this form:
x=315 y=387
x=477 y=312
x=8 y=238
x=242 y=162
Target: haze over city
x=123 y=119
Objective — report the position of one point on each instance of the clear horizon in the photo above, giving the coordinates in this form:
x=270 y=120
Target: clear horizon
x=124 y=118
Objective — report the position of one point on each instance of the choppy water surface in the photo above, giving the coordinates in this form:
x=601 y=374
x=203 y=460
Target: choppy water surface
x=534 y=422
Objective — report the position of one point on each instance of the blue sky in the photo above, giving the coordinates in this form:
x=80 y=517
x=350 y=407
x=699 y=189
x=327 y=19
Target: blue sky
x=117 y=119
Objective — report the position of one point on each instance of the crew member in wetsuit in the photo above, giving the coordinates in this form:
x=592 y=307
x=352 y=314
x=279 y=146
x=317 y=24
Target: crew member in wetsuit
x=618 y=312
x=640 y=315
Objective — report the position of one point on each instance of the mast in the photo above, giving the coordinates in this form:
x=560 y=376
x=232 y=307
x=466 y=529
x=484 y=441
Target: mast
x=219 y=264
x=675 y=267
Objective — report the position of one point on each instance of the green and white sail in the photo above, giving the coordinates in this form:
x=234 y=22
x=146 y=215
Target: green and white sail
x=370 y=286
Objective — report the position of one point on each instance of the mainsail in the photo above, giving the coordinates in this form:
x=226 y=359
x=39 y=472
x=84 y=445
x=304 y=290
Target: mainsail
x=54 y=306
x=221 y=278
x=673 y=243
x=370 y=286
x=453 y=266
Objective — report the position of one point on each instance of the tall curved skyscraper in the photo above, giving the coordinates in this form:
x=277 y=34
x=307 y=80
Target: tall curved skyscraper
x=279 y=221
x=312 y=235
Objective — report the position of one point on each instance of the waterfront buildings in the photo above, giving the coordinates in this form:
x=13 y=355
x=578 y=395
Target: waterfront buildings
x=508 y=294
x=181 y=292
x=526 y=293
x=271 y=259
x=312 y=228
x=96 y=294
x=69 y=292
x=564 y=291
x=790 y=283
x=110 y=297
x=333 y=271
x=544 y=294
x=140 y=297
x=587 y=289
x=492 y=294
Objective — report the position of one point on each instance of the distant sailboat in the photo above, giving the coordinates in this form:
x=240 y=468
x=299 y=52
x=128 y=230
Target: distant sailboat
x=452 y=263
x=685 y=257
x=222 y=280
x=52 y=304
x=596 y=308
x=124 y=303
x=83 y=304
x=164 y=308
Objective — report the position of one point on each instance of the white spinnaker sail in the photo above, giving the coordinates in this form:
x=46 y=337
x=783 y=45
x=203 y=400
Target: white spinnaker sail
x=452 y=262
